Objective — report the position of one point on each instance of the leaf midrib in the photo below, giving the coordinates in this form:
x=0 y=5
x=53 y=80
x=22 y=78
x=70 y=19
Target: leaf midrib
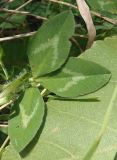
x=64 y=77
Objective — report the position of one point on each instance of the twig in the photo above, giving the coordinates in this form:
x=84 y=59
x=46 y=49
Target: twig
x=4 y=144
x=80 y=35
x=4 y=125
x=64 y=3
x=92 y=12
x=17 y=36
x=7 y=17
x=43 y=91
x=105 y=18
x=6 y=105
x=38 y=85
x=22 y=12
x=24 y=5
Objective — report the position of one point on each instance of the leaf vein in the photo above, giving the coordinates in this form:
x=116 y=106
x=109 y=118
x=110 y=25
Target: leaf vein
x=61 y=148
x=86 y=119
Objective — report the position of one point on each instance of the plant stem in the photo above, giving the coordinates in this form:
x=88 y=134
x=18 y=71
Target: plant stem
x=6 y=105
x=109 y=20
x=22 y=13
x=4 y=70
x=4 y=144
x=17 y=36
x=4 y=125
x=24 y=5
x=43 y=91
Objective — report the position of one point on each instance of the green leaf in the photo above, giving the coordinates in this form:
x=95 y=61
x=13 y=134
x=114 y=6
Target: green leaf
x=72 y=126
x=78 y=77
x=49 y=48
x=15 y=20
x=10 y=89
x=104 y=53
x=103 y=5
x=27 y=119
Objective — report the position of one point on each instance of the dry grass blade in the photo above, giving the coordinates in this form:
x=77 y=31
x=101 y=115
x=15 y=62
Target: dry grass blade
x=86 y=15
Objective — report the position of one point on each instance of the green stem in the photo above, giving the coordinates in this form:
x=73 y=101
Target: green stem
x=4 y=70
x=13 y=87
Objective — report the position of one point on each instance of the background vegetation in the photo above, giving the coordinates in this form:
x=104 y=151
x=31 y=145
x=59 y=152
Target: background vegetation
x=77 y=128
